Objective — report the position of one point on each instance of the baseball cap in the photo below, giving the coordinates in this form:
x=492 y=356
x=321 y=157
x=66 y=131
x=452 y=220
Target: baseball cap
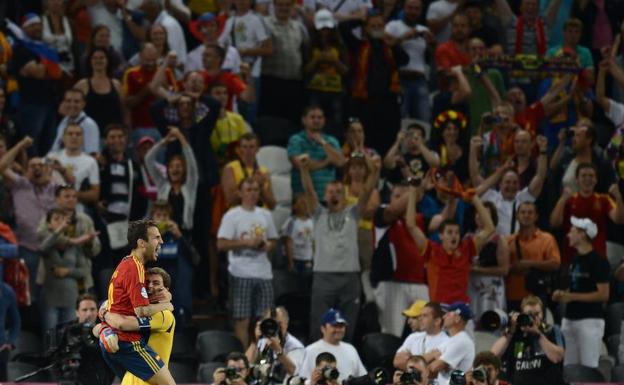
x=324 y=19
x=30 y=18
x=145 y=139
x=195 y=25
x=586 y=225
x=415 y=309
x=333 y=317
x=460 y=308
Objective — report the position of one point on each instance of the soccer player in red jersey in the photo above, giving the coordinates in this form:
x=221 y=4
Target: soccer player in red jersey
x=127 y=295
x=448 y=263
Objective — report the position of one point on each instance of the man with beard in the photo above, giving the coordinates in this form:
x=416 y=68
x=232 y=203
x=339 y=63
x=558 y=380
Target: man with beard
x=336 y=279
x=455 y=51
x=34 y=195
x=127 y=295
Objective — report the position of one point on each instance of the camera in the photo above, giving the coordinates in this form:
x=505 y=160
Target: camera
x=411 y=377
x=231 y=373
x=261 y=372
x=414 y=181
x=524 y=320
x=457 y=377
x=269 y=328
x=377 y=376
x=480 y=374
x=329 y=373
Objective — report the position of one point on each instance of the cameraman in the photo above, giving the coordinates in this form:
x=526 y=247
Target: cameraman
x=416 y=372
x=531 y=354
x=325 y=372
x=282 y=348
x=489 y=365
x=235 y=372
x=92 y=370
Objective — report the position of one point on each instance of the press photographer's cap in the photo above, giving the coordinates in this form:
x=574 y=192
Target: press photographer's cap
x=415 y=309
x=586 y=225
x=460 y=308
x=333 y=317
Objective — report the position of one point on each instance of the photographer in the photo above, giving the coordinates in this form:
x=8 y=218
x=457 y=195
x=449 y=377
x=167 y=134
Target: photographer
x=531 y=351
x=416 y=372
x=92 y=369
x=325 y=372
x=235 y=372
x=486 y=368
x=272 y=340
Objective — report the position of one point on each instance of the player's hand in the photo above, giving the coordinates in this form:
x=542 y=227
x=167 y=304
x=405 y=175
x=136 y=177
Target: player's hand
x=109 y=340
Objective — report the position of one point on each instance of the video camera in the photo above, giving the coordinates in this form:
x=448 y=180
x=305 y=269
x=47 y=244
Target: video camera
x=493 y=320
x=377 y=376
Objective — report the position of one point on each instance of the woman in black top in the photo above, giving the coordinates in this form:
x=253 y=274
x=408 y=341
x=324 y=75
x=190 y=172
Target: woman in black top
x=103 y=95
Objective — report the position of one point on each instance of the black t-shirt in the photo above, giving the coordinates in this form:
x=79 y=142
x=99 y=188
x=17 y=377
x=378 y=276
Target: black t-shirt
x=586 y=271
x=524 y=362
x=417 y=165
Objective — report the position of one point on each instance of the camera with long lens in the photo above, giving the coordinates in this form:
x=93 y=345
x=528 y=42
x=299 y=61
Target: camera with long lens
x=377 y=376
x=269 y=328
x=410 y=377
x=493 y=320
x=261 y=372
x=328 y=373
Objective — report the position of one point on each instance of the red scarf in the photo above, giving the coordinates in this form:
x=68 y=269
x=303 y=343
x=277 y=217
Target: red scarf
x=7 y=233
x=539 y=32
x=360 y=77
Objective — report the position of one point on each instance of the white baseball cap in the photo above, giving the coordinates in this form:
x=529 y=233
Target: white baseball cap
x=324 y=19
x=586 y=225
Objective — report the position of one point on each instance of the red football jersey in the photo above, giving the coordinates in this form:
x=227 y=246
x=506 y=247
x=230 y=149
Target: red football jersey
x=127 y=291
x=448 y=274
x=595 y=207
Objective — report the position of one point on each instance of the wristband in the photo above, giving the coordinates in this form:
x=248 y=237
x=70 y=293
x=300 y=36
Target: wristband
x=144 y=324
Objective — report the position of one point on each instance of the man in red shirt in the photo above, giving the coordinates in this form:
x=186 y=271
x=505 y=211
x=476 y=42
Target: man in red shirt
x=137 y=92
x=408 y=281
x=455 y=51
x=587 y=204
x=239 y=87
x=448 y=263
x=127 y=295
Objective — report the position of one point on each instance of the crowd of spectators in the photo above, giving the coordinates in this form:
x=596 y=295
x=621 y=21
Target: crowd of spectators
x=464 y=154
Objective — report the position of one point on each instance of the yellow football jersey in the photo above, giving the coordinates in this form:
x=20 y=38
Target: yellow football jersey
x=162 y=327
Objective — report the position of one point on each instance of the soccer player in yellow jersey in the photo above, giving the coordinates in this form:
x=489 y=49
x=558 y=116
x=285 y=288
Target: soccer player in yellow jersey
x=160 y=326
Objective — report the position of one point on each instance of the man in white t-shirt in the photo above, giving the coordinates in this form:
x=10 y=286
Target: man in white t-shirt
x=348 y=362
x=508 y=197
x=428 y=338
x=456 y=353
x=206 y=30
x=439 y=17
x=248 y=234
x=414 y=39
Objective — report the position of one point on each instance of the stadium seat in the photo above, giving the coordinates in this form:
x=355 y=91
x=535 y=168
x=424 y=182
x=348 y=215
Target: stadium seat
x=378 y=349
x=617 y=374
x=613 y=344
x=275 y=159
x=17 y=369
x=182 y=348
x=274 y=130
x=613 y=319
x=484 y=340
x=27 y=343
x=580 y=373
x=205 y=371
x=183 y=372
x=215 y=345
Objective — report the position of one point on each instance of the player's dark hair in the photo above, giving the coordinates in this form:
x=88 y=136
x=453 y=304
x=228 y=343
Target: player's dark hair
x=138 y=230
x=163 y=274
x=325 y=357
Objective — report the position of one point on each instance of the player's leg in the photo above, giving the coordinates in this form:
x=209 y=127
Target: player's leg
x=162 y=377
